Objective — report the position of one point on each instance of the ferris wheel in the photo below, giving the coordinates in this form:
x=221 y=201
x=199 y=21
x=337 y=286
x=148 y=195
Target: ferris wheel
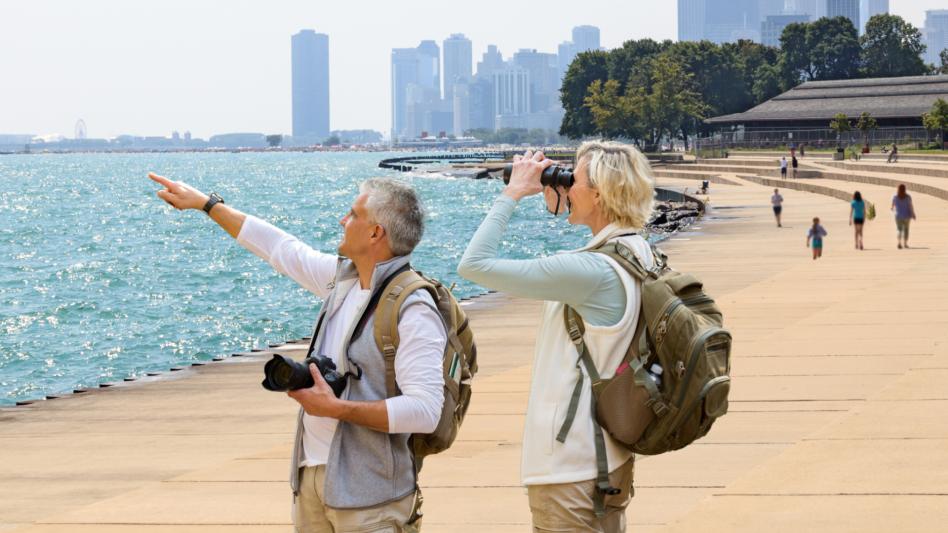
x=80 y=129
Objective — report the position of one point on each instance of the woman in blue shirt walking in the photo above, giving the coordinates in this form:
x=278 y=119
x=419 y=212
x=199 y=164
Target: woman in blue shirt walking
x=857 y=217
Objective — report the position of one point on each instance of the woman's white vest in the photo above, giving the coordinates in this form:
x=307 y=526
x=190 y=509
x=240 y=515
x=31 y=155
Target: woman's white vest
x=544 y=460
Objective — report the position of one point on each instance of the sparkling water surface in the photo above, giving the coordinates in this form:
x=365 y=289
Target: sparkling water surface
x=100 y=280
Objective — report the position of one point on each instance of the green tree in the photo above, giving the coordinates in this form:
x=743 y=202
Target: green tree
x=614 y=114
x=333 y=140
x=892 y=47
x=827 y=49
x=840 y=124
x=768 y=82
x=716 y=75
x=756 y=63
x=583 y=71
x=671 y=103
x=795 y=53
x=627 y=62
x=943 y=56
x=274 y=140
x=936 y=120
x=866 y=124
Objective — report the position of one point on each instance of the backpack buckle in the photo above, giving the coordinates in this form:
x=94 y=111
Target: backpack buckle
x=659 y=407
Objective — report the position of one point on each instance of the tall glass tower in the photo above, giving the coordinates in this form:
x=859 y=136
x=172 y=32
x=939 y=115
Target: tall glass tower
x=458 y=63
x=310 y=57
x=844 y=8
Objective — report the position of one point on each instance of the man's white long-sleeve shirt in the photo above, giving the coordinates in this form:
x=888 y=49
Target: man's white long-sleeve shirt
x=418 y=361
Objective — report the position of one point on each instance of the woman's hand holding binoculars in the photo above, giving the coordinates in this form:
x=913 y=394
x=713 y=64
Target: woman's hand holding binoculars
x=525 y=176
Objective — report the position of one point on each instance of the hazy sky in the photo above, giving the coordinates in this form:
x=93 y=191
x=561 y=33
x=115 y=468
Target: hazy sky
x=216 y=66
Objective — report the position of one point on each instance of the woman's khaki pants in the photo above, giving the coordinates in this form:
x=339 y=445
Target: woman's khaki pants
x=570 y=506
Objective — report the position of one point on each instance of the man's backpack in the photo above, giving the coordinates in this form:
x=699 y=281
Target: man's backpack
x=459 y=362
x=680 y=329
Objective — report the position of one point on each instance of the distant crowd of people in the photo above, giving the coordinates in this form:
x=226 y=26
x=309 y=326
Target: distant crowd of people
x=859 y=211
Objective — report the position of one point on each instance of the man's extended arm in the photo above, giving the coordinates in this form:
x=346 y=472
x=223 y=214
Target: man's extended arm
x=182 y=196
x=285 y=253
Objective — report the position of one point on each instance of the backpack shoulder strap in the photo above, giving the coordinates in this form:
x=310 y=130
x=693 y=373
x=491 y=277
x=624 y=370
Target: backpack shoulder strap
x=385 y=329
x=627 y=259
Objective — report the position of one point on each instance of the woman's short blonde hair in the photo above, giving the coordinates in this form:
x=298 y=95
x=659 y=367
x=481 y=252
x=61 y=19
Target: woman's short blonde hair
x=624 y=179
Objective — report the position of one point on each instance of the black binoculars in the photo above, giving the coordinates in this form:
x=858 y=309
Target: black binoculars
x=553 y=176
x=282 y=374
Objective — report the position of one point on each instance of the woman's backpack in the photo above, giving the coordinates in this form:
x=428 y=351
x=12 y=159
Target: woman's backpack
x=680 y=329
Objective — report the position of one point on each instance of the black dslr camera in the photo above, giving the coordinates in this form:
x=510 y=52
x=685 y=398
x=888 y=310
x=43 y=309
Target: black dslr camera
x=283 y=374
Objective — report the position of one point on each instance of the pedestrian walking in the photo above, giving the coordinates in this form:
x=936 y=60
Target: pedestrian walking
x=794 y=164
x=777 y=202
x=814 y=237
x=893 y=154
x=802 y=150
x=783 y=167
x=904 y=214
x=857 y=217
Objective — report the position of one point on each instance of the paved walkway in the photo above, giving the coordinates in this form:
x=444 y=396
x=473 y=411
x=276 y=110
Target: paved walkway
x=837 y=419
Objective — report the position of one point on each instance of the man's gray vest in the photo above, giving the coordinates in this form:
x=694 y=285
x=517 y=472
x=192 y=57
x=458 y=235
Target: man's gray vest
x=365 y=467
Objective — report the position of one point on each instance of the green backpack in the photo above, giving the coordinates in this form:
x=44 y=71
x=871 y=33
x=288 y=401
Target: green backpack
x=459 y=362
x=680 y=329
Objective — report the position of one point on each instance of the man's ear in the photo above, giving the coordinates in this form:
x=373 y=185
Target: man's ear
x=378 y=232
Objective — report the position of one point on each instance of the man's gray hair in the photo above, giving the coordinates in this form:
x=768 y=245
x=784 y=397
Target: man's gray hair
x=396 y=207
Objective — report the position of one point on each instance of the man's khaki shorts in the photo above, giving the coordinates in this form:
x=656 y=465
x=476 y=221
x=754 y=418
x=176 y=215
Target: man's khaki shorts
x=311 y=515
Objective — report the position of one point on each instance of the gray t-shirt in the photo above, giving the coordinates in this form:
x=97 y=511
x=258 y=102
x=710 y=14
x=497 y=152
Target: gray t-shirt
x=903 y=206
x=776 y=200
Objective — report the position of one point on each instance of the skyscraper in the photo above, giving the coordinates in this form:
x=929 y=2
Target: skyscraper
x=310 y=72
x=458 y=62
x=544 y=78
x=416 y=89
x=869 y=9
x=691 y=20
x=429 y=69
x=772 y=27
x=585 y=38
x=844 y=8
x=936 y=34
x=511 y=97
x=404 y=75
x=565 y=54
x=724 y=20
x=814 y=8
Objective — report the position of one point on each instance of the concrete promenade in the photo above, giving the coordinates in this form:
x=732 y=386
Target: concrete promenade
x=838 y=418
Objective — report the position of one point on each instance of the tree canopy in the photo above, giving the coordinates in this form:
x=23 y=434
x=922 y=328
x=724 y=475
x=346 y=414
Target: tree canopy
x=892 y=47
x=648 y=90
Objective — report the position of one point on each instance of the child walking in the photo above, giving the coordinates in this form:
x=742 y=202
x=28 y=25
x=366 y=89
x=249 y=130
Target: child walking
x=815 y=237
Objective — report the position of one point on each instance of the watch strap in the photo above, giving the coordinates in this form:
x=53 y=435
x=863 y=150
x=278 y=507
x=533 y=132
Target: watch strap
x=212 y=200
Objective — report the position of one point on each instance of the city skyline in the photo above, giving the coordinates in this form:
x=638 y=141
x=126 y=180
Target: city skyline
x=151 y=69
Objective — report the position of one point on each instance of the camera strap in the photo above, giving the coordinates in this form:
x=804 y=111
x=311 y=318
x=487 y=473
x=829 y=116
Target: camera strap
x=374 y=301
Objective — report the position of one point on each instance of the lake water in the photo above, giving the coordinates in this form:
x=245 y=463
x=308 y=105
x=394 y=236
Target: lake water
x=100 y=280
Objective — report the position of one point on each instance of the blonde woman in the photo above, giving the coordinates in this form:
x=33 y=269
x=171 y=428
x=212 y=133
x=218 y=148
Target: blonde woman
x=613 y=196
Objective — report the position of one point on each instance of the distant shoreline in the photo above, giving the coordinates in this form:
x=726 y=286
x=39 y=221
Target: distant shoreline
x=365 y=149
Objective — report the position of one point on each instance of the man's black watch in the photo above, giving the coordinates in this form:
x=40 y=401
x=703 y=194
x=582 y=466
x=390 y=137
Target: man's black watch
x=213 y=200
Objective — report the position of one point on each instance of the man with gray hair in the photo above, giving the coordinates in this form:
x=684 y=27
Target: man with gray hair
x=352 y=469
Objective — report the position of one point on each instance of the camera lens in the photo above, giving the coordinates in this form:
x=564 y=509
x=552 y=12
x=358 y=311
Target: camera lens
x=282 y=374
